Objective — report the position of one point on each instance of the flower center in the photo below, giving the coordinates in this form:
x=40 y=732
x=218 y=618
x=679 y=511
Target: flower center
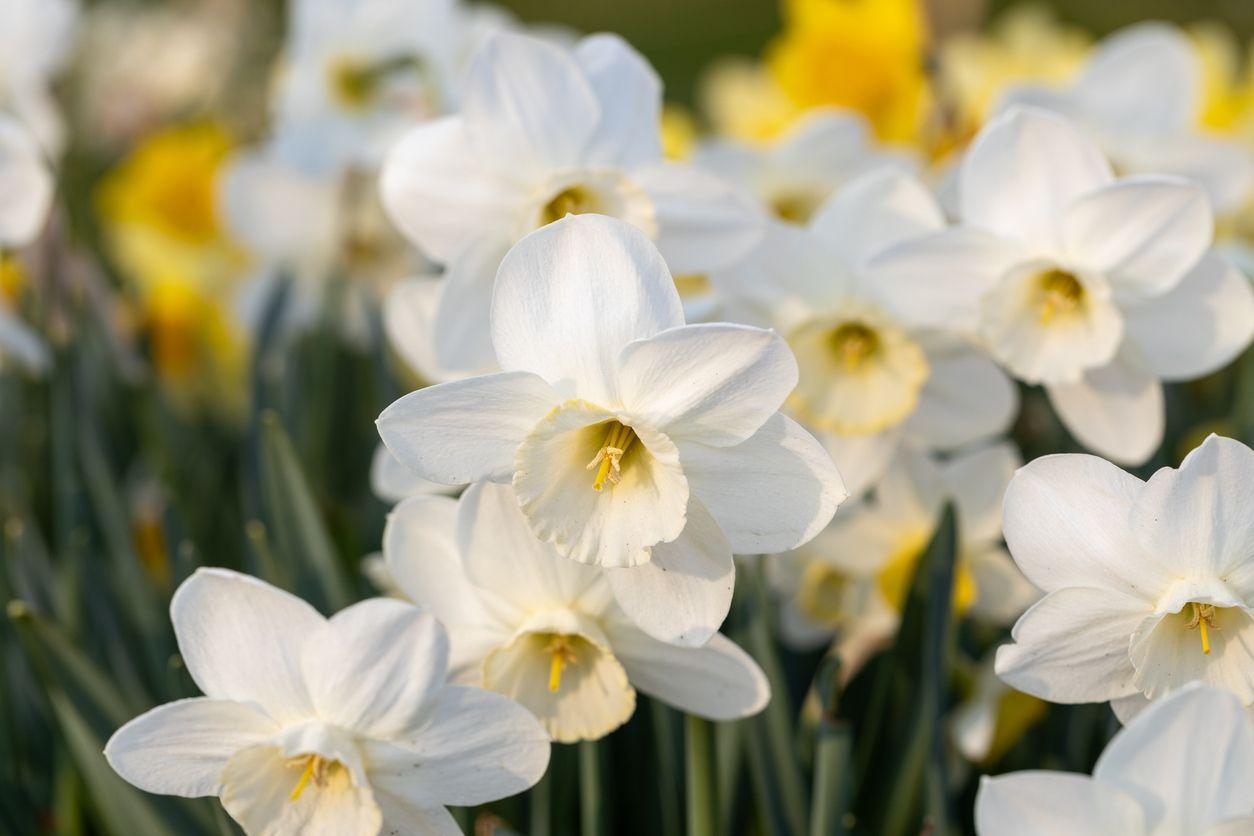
x=316 y=770
x=794 y=206
x=561 y=650
x=822 y=593
x=608 y=462
x=355 y=84
x=1058 y=294
x=692 y=285
x=1202 y=619
x=572 y=200
x=854 y=343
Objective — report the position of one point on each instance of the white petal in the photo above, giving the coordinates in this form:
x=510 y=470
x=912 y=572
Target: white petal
x=476 y=747
x=1068 y=522
x=630 y=94
x=21 y=343
x=503 y=557
x=440 y=194
x=26 y=186
x=400 y=817
x=1141 y=82
x=374 y=666
x=1037 y=803
x=1072 y=646
x=241 y=640
x=615 y=526
x=1188 y=758
x=861 y=459
x=1200 y=515
x=1142 y=233
x=871 y=213
x=938 y=280
x=466 y=430
x=461 y=332
x=977 y=481
x=1198 y=326
x=966 y=397
x=1116 y=411
x=1222 y=167
x=392 y=481
x=769 y=494
x=1023 y=169
x=704 y=223
x=683 y=593
x=409 y=321
x=571 y=295
x=715 y=383
x=719 y=681
x=1002 y=592
x=420 y=546
x=1241 y=826
x=528 y=106
x=181 y=748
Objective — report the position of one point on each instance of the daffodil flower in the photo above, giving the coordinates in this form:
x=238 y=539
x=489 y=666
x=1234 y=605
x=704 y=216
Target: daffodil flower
x=25 y=185
x=35 y=40
x=1140 y=95
x=852 y=580
x=544 y=630
x=543 y=132
x=1096 y=288
x=1150 y=585
x=1185 y=766
x=871 y=378
x=631 y=439
x=324 y=726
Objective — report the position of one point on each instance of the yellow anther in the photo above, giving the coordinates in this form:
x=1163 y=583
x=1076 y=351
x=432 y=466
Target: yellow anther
x=1203 y=619
x=608 y=462
x=1060 y=294
x=574 y=200
x=854 y=343
x=311 y=764
x=562 y=653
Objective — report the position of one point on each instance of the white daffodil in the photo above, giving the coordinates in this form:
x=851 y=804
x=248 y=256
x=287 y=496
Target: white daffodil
x=1096 y=288
x=872 y=379
x=632 y=440
x=26 y=185
x=316 y=726
x=544 y=132
x=852 y=580
x=1185 y=766
x=1140 y=95
x=546 y=631
x=1149 y=584
x=35 y=39
x=993 y=717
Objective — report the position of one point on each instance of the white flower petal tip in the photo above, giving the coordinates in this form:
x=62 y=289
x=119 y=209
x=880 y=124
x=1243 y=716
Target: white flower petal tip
x=321 y=725
x=26 y=185
x=1150 y=584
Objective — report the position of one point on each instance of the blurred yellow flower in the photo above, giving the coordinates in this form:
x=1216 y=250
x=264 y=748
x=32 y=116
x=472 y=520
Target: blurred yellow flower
x=679 y=132
x=161 y=224
x=741 y=100
x=866 y=55
x=1227 y=79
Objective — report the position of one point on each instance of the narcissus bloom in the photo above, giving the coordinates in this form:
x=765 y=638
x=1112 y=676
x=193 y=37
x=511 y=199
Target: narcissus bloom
x=1096 y=288
x=1140 y=95
x=1150 y=584
x=873 y=375
x=632 y=440
x=544 y=132
x=25 y=185
x=852 y=580
x=317 y=726
x=546 y=631
x=35 y=39
x=1185 y=766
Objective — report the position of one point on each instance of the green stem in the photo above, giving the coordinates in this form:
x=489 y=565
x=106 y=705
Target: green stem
x=833 y=757
x=666 y=739
x=699 y=757
x=542 y=806
x=591 y=797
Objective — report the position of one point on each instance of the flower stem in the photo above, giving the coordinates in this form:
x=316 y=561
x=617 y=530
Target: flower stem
x=591 y=797
x=699 y=755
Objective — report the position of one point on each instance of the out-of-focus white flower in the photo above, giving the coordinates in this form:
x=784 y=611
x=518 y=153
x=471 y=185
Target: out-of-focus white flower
x=35 y=38
x=1150 y=585
x=632 y=439
x=853 y=578
x=1094 y=287
x=1140 y=95
x=26 y=185
x=357 y=73
x=543 y=132
x=993 y=717
x=872 y=374
x=317 y=726
x=546 y=631
x=392 y=481
x=1184 y=766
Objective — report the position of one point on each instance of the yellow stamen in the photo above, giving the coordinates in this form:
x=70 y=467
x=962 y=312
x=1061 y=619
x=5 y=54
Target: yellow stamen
x=1060 y=294
x=574 y=200
x=1205 y=637
x=311 y=764
x=854 y=343
x=608 y=462
x=563 y=653
x=555 y=672
x=1202 y=619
